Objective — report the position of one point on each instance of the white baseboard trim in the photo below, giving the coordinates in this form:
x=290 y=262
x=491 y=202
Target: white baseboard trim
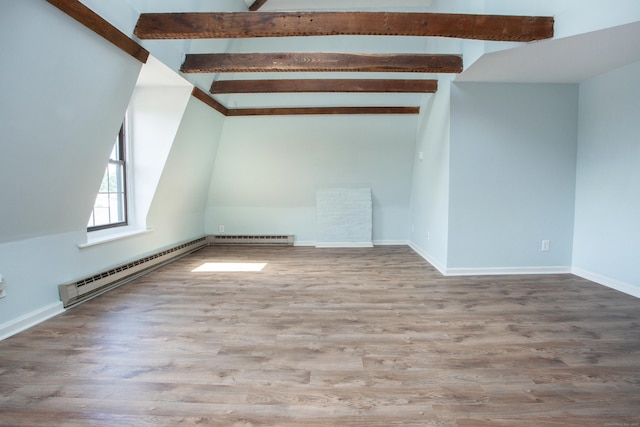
x=344 y=245
x=495 y=271
x=390 y=243
x=487 y=271
x=303 y=243
x=626 y=288
x=427 y=257
x=30 y=319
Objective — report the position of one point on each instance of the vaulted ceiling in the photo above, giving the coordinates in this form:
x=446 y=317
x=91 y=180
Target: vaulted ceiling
x=374 y=56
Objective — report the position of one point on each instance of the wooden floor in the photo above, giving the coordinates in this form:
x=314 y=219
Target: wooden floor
x=324 y=337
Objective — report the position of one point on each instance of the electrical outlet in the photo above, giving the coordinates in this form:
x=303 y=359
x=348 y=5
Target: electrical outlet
x=545 y=246
x=221 y=228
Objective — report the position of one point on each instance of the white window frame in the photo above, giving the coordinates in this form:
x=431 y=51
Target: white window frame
x=119 y=197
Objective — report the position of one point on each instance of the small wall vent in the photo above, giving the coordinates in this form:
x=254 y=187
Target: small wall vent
x=251 y=240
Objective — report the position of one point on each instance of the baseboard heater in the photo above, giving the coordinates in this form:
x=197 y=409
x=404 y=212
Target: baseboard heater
x=251 y=240
x=81 y=290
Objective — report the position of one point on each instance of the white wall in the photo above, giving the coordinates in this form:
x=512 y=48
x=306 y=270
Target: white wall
x=67 y=99
x=124 y=16
x=607 y=223
x=512 y=175
x=155 y=113
x=64 y=98
x=181 y=197
x=430 y=181
x=64 y=94
x=571 y=16
x=268 y=169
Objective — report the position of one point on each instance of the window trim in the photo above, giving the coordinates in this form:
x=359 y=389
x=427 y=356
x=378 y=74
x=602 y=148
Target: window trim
x=122 y=161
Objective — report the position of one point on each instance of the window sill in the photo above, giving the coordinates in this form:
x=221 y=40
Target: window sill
x=111 y=237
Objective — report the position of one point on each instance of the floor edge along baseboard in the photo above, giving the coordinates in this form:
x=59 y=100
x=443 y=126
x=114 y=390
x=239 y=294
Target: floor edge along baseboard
x=28 y=320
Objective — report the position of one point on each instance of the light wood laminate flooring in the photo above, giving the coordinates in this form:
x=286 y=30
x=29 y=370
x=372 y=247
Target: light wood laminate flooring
x=330 y=337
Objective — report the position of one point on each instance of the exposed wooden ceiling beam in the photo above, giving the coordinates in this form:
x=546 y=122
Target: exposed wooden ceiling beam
x=285 y=24
x=324 y=85
x=321 y=110
x=204 y=97
x=100 y=26
x=257 y=5
x=238 y=112
x=320 y=62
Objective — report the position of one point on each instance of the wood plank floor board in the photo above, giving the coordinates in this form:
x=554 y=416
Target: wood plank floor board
x=611 y=409
x=552 y=422
x=330 y=337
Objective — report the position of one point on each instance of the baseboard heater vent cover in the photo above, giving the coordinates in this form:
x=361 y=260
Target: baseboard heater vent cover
x=251 y=240
x=81 y=290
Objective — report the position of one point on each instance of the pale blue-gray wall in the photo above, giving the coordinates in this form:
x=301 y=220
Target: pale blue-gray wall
x=607 y=223
x=430 y=181
x=181 y=195
x=64 y=93
x=268 y=170
x=61 y=110
x=512 y=175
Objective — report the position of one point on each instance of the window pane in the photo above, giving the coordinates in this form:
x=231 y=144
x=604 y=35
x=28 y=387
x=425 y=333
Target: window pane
x=114 y=170
x=102 y=200
x=110 y=205
x=101 y=216
x=116 y=207
x=104 y=186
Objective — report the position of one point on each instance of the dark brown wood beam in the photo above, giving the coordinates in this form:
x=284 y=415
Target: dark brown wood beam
x=286 y=24
x=257 y=5
x=324 y=85
x=204 y=97
x=320 y=62
x=321 y=110
x=98 y=25
x=239 y=112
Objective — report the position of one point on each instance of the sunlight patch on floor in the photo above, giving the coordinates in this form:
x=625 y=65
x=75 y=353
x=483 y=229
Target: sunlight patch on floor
x=227 y=267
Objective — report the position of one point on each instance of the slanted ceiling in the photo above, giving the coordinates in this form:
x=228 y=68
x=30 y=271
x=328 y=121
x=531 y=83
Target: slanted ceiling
x=393 y=51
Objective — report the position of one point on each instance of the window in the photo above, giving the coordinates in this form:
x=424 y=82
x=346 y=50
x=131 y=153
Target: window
x=110 y=207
